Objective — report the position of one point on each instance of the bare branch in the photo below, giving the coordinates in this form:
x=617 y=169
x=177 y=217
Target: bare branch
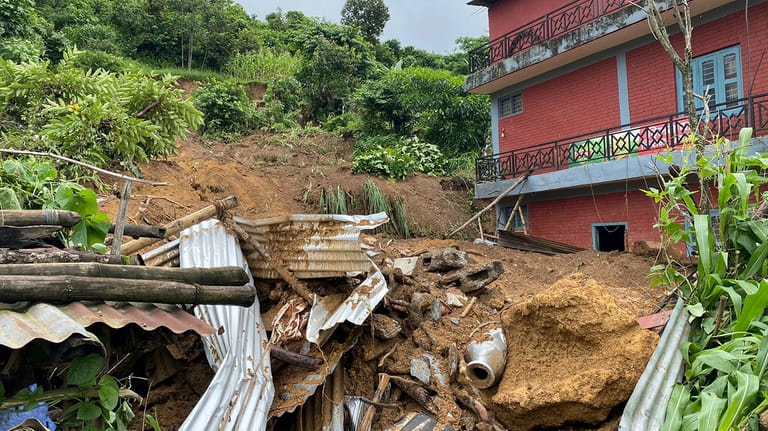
x=85 y=165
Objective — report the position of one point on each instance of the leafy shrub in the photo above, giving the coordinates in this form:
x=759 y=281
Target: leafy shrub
x=286 y=90
x=30 y=184
x=97 y=117
x=368 y=142
x=272 y=117
x=400 y=161
x=94 y=60
x=20 y=50
x=346 y=124
x=227 y=110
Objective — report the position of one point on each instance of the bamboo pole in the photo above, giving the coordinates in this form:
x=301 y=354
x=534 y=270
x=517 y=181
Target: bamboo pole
x=141 y=230
x=117 y=239
x=220 y=276
x=378 y=396
x=176 y=226
x=38 y=217
x=495 y=201
x=15 y=288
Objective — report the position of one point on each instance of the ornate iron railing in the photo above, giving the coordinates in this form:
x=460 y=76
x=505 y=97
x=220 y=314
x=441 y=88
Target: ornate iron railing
x=556 y=23
x=640 y=137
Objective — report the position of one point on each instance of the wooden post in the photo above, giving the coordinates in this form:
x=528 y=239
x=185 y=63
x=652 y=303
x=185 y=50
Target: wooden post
x=117 y=239
x=522 y=219
x=65 y=289
x=219 y=276
x=176 y=226
x=480 y=228
x=55 y=255
x=495 y=201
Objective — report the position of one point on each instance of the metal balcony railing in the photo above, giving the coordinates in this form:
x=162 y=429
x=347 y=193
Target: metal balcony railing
x=556 y=23
x=637 y=138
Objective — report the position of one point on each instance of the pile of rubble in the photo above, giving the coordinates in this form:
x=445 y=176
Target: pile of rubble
x=345 y=331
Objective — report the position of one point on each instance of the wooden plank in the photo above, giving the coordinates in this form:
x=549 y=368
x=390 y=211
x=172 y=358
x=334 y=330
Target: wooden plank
x=28 y=236
x=518 y=241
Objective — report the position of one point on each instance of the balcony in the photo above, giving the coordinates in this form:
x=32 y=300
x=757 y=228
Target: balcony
x=572 y=32
x=557 y=23
x=630 y=140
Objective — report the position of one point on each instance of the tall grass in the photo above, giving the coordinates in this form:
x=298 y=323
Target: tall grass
x=263 y=66
x=371 y=200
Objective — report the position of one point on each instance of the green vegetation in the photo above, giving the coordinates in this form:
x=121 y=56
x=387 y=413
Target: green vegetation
x=401 y=160
x=727 y=355
x=370 y=200
x=370 y=16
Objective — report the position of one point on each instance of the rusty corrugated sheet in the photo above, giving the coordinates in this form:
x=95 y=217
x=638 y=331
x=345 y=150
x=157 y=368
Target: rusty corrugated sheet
x=239 y=396
x=20 y=325
x=311 y=245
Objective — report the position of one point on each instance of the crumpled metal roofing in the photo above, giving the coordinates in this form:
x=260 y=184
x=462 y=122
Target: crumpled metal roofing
x=311 y=245
x=241 y=392
x=55 y=323
x=647 y=406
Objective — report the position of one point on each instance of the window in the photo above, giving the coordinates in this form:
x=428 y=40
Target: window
x=517 y=222
x=511 y=104
x=717 y=75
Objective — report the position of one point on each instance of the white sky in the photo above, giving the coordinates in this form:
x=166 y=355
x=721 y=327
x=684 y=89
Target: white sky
x=429 y=25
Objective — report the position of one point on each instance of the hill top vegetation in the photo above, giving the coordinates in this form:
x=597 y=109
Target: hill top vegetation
x=94 y=79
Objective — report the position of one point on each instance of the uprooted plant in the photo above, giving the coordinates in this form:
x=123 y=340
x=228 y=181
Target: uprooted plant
x=727 y=354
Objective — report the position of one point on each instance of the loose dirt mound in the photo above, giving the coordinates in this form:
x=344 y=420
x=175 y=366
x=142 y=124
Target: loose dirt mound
x=573 y=355
x=279 y=174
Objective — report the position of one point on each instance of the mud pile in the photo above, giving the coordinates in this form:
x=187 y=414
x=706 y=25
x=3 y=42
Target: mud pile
x=573 y=355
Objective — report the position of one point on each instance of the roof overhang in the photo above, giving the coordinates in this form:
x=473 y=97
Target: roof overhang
x=485 y=3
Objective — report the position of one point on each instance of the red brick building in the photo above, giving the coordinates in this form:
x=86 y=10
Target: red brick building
x=582 y=95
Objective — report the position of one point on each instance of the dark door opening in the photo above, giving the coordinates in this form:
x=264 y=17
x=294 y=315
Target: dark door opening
x=609 y=236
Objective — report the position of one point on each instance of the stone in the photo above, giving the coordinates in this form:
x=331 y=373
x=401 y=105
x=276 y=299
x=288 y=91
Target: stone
x=444 y=260
x=385 y=327
x=420 y=369
x=475 y=277
x=405 y=264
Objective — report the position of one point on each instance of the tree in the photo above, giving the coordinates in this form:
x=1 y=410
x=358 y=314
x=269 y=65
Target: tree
x=369 y=15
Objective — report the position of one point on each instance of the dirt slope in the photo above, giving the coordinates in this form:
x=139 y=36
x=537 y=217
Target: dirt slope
x=278 y=174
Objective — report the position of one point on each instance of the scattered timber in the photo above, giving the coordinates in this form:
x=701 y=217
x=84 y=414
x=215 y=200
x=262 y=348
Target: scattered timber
x=38 y=217
x=293 y=358
x=66 y=289
x=221 y=276
x=29 y=236
x=176 y=226
x=141 y=230
x=55 y=255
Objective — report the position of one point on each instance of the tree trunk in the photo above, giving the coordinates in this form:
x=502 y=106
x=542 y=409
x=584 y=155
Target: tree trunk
x=189 y=51
x=221 y=276
x=66 y=289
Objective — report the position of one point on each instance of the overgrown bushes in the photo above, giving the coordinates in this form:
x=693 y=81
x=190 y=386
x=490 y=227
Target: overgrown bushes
x=401 y=160
x=370 y=200
x=97 y=116
x=226 y=108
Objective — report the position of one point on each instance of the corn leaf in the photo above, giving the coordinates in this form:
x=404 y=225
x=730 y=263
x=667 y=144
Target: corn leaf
x=738 y=399
x=756 y=262
x=754 y=306
x=711 y=408
x=681 y=396
x=761 y=361
x=704 y=242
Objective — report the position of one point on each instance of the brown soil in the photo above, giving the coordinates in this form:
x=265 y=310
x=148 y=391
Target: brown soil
x=281 y=174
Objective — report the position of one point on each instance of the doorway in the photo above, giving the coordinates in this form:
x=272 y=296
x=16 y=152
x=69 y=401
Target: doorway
x=609 y=236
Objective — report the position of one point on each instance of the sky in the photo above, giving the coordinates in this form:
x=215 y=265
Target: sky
x=431 y=25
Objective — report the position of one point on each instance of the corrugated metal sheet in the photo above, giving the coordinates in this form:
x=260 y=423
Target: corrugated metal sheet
x=167 y=255
x=20 y=325
x=311 y=245
x=241 y=392
x=646 y=408
x=518 y=241
x=355 y=308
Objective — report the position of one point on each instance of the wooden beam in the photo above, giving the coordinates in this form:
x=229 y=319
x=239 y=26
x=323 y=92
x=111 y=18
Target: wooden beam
x=219 y=276
x=55 y=255
x=141 y=230
x=495 y=201
x=66 y=289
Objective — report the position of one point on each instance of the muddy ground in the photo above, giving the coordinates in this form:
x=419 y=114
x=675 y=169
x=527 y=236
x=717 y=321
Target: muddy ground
x=282 y=174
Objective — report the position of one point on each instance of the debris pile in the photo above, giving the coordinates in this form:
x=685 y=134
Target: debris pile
x=354 y=331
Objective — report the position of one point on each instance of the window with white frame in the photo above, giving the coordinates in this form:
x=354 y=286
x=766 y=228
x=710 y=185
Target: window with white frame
x=511 y=104
x=716 y=75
